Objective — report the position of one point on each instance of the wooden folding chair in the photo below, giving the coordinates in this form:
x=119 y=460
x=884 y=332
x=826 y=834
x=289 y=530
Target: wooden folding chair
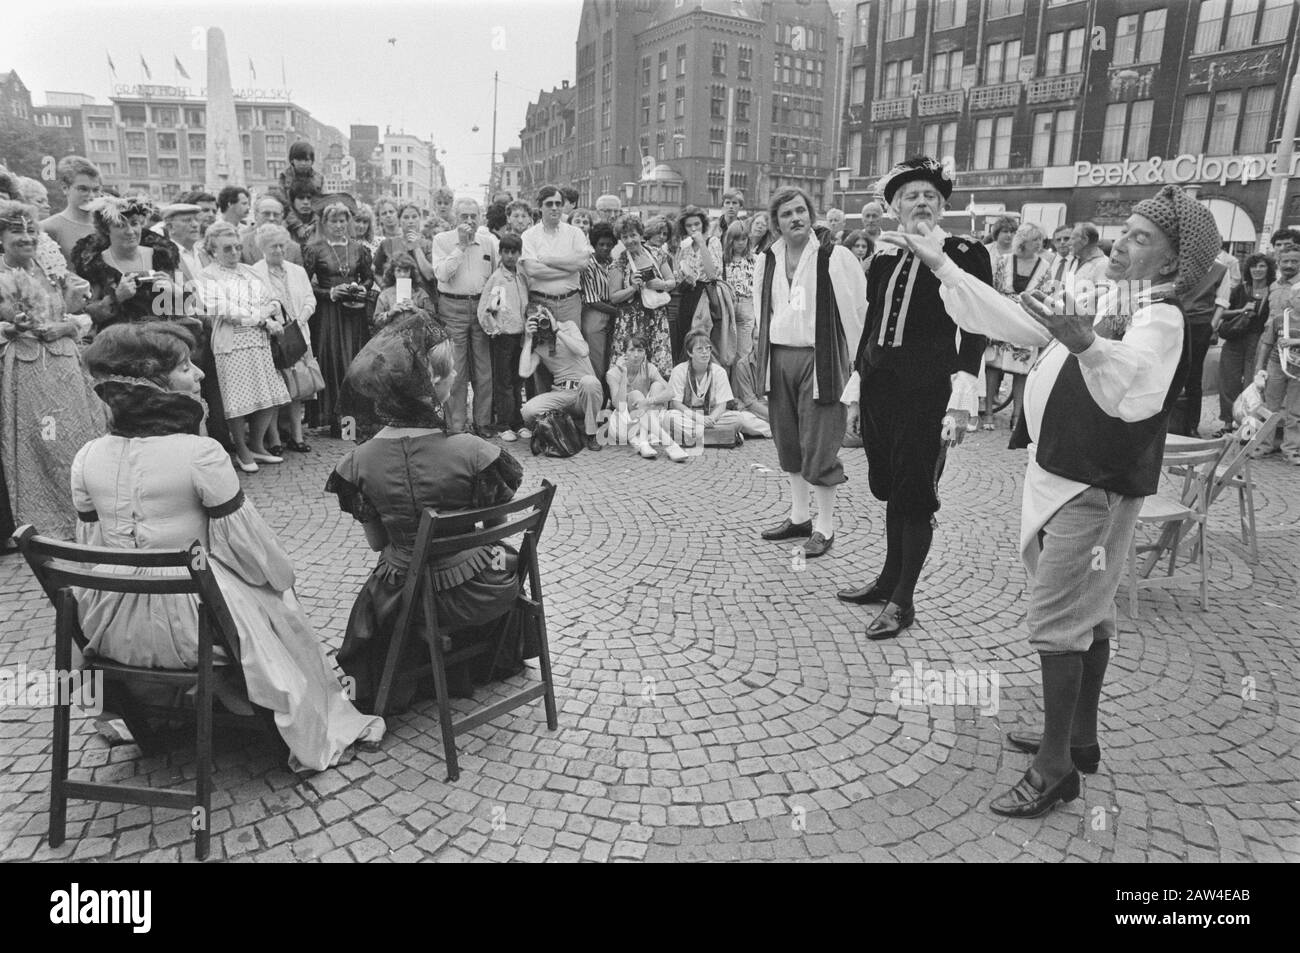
x=1195 y=461
x=61 y=566
x=444 y=534
x=1234 y=473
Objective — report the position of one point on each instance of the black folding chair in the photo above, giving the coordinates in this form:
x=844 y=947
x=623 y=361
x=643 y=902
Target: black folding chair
x=444 y=534
x=60 y=566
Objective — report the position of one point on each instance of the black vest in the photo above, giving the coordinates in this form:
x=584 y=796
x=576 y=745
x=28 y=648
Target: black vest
x=1081 y=442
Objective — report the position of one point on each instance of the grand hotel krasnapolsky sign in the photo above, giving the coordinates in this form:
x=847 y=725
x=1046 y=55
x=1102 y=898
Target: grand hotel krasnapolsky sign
x=1161 y=171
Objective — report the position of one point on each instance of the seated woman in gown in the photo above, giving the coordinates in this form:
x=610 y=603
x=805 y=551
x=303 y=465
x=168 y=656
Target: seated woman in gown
x=154 y=482
x=407 y=370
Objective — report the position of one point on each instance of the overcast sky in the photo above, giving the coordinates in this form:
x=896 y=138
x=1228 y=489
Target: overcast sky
x=434 y=82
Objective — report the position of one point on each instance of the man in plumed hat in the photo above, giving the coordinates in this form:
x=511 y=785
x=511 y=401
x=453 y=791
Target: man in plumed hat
x=913 y=383
x=1095 y=418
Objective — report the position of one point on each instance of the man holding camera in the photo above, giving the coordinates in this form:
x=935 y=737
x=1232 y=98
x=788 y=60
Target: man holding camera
x=463 y=260
x=559 y=347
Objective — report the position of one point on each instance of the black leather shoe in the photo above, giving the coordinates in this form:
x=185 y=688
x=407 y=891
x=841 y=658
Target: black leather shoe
x=1087 y=758
x=891 y=621
x=817 y=545
x=788 y=530
x=593 y=443
x=866 y=595
x=1031 y=797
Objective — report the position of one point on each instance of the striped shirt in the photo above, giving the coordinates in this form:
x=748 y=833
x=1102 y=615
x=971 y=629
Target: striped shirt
x=595 y=282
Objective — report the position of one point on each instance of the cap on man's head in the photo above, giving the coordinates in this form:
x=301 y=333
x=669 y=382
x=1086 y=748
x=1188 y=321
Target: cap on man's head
x=179 y=208
x=1190 y=228
x=917 y=168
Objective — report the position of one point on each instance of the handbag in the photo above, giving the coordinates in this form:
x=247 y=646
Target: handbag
x=653 y=300
x=304 y=379
x=288 y=347
x=723 y=435
x=1238 y=326
x=556 y=434
x=726 y=339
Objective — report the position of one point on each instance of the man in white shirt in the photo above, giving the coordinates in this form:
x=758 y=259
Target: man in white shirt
x=463 y=260
x=553 y=258
x=80 y=180
x=811 y=304
x=181 y=225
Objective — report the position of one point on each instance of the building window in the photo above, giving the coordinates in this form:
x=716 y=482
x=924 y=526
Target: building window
x=993 y=143
x=744 y=62
x=901 y=20
x=645 y=109
x=1006 y=8
x=718 y=101
x=854 y=159
x=1053 y=137
x=717 y=136
x=719 y=59
x=891 y=148
x=1002 y=62
x=166 y=142
x=604 y=114
x=607 y=43
x=660 y=139
x=137 y=167
x=892 y=85
x=198 y=169
x=1139 y=40
x=133 y=118
x=135 y=142
x=1223 y=122
x=607 y=77
x=1112 y=137
x=275 y=145
x=679 y=107
x=945 y=71
x=858 y=94
x=604 y=151
x=397 y=167
x=939 y=139
x=275 y=166
x=196 y=142
x=164 y=117
x=1065 y=52
x=663 y=66
x=681 y=60
x=103 y=145
x=645 y=71
x=1274 y=20
x=1254 y=123
x=949 y=14
x=410 y=168
x=661 y=105
x=169 y=168
x=863 y=28
x=741 y=145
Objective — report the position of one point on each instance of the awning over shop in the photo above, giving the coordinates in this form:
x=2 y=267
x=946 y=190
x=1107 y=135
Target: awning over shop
x=1234 y=222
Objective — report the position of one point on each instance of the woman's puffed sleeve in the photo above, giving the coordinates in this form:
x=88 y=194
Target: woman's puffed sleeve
x=89 y=532
x=238 y=537
x=497 y=480
x=345 y=483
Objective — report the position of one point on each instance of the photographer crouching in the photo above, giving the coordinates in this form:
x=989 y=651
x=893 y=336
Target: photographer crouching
x=559 y=346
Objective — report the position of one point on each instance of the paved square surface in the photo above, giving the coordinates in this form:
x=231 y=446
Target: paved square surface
x=716 y=701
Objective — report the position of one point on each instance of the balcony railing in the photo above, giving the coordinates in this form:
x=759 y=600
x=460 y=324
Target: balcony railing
x=891 y=109
x=933 y=104
x=995 y=97
x=1050 y=89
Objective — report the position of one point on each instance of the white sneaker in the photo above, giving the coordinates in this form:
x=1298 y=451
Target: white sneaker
x=525 y=433
x=676 y=453
x=508 y=436
x=646 y=450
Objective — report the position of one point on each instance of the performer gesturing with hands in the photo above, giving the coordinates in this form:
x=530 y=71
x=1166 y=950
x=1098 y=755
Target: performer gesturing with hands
x=914 y=381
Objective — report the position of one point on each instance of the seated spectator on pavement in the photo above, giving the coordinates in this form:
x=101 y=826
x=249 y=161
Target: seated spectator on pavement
x=701 y=395
x=640 y=396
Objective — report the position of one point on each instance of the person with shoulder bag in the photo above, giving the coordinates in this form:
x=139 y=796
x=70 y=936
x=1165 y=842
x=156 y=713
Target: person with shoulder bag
x=291 y=289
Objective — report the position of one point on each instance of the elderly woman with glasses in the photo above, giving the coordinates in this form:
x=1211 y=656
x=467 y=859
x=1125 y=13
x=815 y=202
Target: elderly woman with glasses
x=290 y=286
x=244 y=317
x=129 y=267
x=47 y=407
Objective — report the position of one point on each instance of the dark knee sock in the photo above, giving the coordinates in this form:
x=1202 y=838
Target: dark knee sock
x=1095 y=660
x=888 y=577
x=915 y=533
x=1062 y=676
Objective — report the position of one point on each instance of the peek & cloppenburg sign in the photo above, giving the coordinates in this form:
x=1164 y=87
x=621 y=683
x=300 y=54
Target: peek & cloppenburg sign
x=1159 y=171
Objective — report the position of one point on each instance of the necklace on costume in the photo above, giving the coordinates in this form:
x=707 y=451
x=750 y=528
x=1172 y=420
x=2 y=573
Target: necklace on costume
x=347 y=257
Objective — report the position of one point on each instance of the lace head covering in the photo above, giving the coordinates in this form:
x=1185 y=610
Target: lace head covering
x=393 y=371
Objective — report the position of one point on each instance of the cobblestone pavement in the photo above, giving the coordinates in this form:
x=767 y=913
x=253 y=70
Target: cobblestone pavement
x=717 y=702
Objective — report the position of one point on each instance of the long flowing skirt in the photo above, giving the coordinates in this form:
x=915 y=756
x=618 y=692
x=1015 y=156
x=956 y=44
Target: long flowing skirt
x=339 y=334
x=48 y=410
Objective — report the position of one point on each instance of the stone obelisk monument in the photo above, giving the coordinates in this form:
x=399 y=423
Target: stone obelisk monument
x=225 y=156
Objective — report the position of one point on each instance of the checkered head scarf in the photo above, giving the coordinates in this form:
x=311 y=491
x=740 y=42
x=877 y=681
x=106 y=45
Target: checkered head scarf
x=1191 y=230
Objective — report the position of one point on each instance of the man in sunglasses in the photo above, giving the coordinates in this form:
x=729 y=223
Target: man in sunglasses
x=553 y=258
